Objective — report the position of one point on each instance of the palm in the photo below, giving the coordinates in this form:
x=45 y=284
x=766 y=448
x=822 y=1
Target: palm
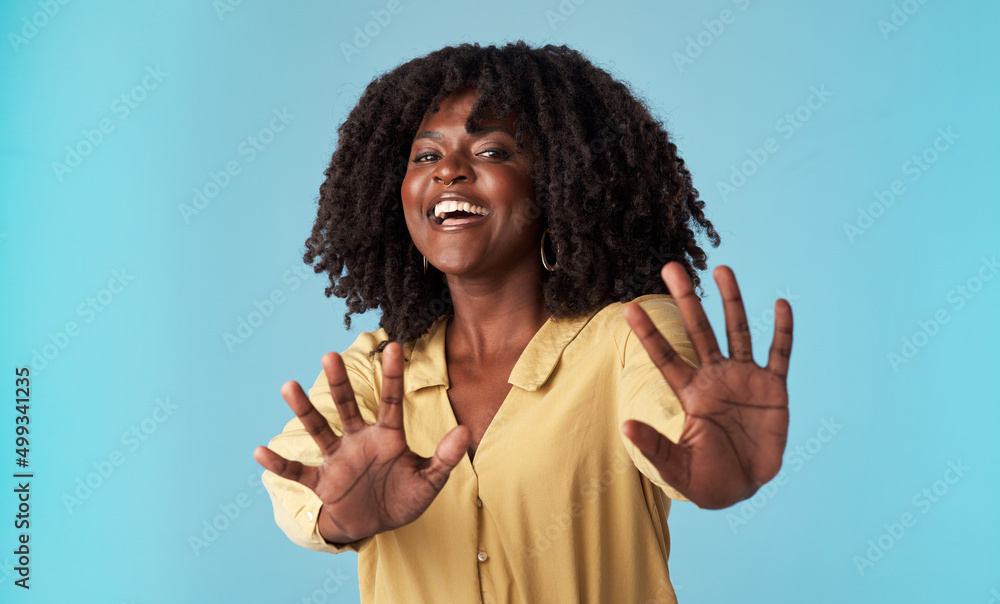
x=736 y=412
x=369 y=481
x=374 y=482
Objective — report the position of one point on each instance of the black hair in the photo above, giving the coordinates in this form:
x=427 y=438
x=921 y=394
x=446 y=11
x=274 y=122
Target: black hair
x=608 y=181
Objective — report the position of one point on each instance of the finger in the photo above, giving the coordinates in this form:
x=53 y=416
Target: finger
x=672 y=460
x=673 y=367
x=781 y=346
x=449 y=452
x=307 y=476
x=692 y=314
x=342 y=392
x=737 y=328
x=390 y=410
x=312 y=420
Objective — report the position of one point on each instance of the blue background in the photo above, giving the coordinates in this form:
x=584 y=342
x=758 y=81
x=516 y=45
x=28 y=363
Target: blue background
x=859 y=294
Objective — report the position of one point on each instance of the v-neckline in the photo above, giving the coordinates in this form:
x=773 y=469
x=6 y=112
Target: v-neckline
x=503 y=409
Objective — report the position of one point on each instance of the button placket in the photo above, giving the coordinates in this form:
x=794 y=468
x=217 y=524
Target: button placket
x=481 y=556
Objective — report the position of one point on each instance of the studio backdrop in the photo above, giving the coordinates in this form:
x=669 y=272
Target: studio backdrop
x=159 y=170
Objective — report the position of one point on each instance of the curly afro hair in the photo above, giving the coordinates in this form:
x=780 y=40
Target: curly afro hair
x=608 y=182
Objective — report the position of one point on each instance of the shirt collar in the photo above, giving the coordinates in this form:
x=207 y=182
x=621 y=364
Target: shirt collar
x=427 y=365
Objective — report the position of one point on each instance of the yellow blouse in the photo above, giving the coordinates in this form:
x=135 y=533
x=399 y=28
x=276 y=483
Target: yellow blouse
x=557 y=506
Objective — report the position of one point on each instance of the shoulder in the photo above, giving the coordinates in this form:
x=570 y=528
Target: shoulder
x=661 y=308
x=364 y=365
x=358 y=361
x=610 y=323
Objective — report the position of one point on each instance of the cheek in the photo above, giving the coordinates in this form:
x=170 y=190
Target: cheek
x=521 y=191
x=411 y=194
x=408 y=189
x=512 y=184
x=524 y=184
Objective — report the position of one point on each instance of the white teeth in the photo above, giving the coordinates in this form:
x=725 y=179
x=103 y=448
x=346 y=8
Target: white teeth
x=443 y=207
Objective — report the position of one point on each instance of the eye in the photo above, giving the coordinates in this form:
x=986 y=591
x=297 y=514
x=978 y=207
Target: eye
x=496 y=153
x=418 y=159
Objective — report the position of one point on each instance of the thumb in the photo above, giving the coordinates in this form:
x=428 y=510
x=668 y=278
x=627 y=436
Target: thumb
x=672 y=461
x=449 y=452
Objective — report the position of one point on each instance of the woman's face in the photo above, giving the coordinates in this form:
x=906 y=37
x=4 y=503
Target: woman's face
x=502 y=230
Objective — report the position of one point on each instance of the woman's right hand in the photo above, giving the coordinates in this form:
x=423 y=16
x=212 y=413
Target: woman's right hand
x=370 y=481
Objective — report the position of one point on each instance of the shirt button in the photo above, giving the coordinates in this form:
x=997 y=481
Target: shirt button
x=479 y=502
x=309 y=516
x=482 y=556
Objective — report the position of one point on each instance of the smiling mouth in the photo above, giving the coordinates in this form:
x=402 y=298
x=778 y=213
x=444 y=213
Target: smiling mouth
x=455 y=212
x=456 y=218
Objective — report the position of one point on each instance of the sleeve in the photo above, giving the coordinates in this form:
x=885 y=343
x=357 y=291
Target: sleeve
x=296 y=507
x=645 y=394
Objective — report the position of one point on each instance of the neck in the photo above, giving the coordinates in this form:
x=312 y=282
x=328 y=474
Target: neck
x=495 y=317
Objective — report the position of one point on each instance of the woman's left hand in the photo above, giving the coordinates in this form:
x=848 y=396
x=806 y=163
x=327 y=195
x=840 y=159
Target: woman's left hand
x=736 y=412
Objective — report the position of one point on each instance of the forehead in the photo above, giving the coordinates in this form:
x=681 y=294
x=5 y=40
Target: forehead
x=456 y=107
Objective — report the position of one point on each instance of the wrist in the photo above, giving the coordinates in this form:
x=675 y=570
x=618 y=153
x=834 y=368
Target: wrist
x=329 y=530
x=334 y=534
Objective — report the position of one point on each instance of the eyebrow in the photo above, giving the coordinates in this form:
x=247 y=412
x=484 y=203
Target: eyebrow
x=481 y=132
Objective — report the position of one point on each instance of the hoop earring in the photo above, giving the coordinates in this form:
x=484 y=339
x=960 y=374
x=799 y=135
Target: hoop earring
x=545 y=263
x=425 y=266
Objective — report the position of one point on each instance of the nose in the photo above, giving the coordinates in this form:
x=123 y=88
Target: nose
x=453 y=168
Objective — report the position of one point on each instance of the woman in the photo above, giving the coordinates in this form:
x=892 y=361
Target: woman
x=503 y=437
